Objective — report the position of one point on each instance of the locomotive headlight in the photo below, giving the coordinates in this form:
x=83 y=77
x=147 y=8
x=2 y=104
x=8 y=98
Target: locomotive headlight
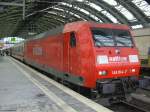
x=102 y=59
x=133 y=70
x=103 y=72
x=133 y=58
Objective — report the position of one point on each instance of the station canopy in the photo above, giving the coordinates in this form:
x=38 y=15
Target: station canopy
x=30 y=17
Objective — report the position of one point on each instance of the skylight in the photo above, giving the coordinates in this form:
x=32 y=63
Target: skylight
x=95 y=6
x=98 y=8
x=53 y=12
x=110 y=16
x=84 y=11
x=137 y=26
x=111 y=2
x=125 y=12
x=80 y=0
x=143 y=5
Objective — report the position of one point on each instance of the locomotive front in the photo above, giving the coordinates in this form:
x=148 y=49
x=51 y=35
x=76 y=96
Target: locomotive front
x=116 y=58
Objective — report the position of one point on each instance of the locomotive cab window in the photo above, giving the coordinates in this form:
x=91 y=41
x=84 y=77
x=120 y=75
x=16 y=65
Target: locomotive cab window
x=111 y=37
x=72 y=39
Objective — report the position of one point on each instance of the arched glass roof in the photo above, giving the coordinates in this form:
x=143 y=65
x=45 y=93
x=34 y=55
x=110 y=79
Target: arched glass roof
x=41 y=15
x=143 y=5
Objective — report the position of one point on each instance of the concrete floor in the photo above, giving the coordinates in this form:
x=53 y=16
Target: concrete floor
x=23 y=91
x=17 y=93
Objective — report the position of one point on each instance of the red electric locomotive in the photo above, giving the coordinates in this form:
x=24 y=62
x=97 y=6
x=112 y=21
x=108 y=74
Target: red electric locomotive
x=87 y=54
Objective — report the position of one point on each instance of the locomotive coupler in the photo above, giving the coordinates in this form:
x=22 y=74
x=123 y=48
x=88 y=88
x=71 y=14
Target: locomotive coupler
x=116 y=90
x=112 y=89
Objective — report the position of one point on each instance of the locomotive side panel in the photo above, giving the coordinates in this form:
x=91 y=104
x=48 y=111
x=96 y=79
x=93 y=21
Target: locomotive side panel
x=71 y=66
x=54 y=52
x=45 y=53
x=86 y=53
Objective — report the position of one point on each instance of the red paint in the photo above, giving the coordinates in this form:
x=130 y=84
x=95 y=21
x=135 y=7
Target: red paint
x=56 y=53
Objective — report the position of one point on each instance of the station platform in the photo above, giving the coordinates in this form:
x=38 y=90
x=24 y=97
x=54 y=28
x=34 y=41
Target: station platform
x=22 y=89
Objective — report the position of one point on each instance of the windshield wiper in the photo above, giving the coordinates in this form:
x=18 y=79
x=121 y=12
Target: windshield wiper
x=96 y=40
x=125 y=37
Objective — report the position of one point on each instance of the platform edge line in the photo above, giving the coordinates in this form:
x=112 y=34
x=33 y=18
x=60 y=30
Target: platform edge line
x=51 y=95
x=86 y=101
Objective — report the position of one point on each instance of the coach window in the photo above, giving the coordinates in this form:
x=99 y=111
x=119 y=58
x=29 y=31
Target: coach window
x=72 y=39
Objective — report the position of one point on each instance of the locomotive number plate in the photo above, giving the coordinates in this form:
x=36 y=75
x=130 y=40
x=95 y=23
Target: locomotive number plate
x=119 y=72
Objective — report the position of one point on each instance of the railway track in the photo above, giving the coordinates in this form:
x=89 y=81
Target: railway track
x=124 y=106
x=146 y=89
x=134 y=107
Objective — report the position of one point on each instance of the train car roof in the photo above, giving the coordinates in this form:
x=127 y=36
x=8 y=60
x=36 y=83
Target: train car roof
x=75 y=26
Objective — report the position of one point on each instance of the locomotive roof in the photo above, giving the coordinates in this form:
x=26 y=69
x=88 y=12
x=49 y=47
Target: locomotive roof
x=68 y=28
x=54 y=31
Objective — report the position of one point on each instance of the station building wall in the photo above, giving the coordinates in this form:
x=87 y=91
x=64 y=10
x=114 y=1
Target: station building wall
x=142 y=41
